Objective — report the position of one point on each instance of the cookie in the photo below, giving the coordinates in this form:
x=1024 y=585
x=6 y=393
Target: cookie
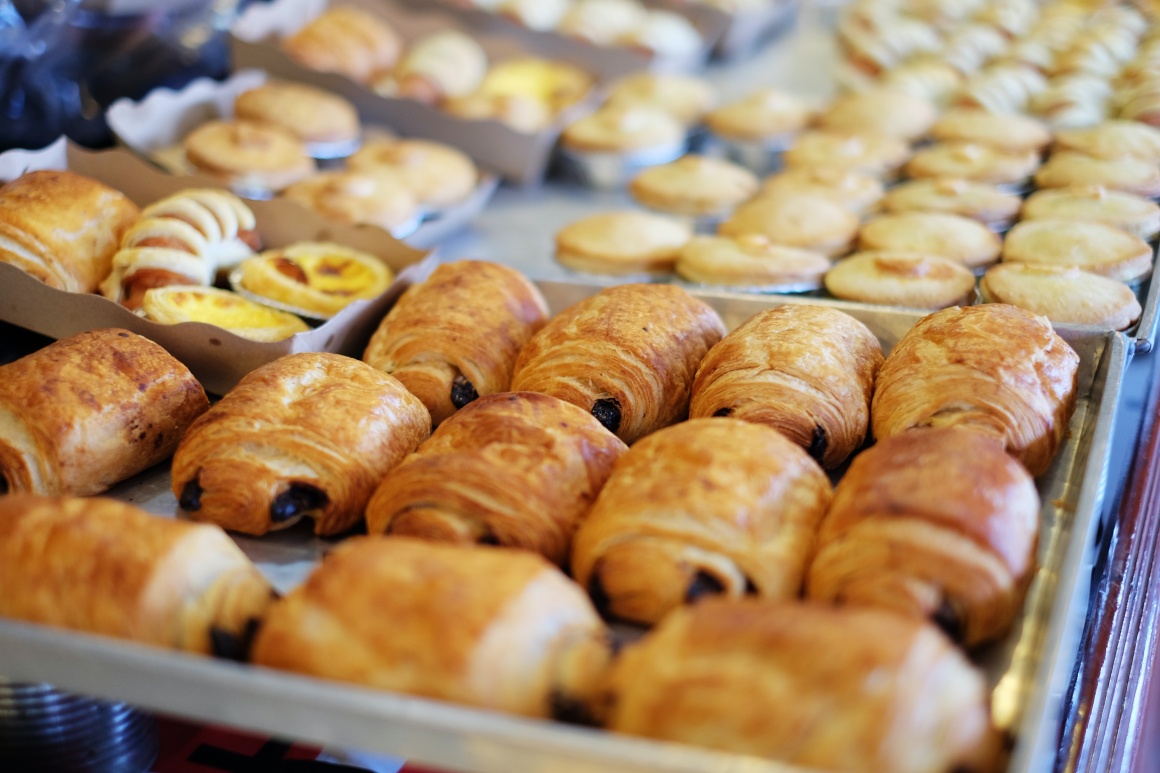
x=1130 y=213
x=1113 y=139
x=694 y=185
x=907 y=279
x=438 y=175
x=975 y=162
x=310 y=114
x=857 y=192
x=1062 y=294
x=956 y=238
x=1008 y=132
x=880 y=111
x=378 y=198
x=248 y=154
x=682 y=96
x=751 y=262
x=1131 y=175
x=871 y=154
x=767 y=115
x=1095 y=247
x=622 y=243
x=621 y=129
x=809 y=222
x=978 y=201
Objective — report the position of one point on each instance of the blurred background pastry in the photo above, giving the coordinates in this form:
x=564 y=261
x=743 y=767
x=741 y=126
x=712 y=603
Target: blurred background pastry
x=316 y=117
x=750 y=261
x=684 y=97
x=954 y=196
x=694 y=185
x=248 y=155
x=437 y=175
x=870 y=154
x=622 y=243
x=348 y=41
x=956 y=238
x=441 y=66
x=857 y=192
x=377 y=197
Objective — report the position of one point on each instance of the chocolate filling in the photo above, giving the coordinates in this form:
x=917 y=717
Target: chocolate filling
x=4 y=485
x=234 y=646
x=298 y=499
x=565 y=708
x=462 y=392
x=191 y=496
x=600 y=598
x=750 y=588
x=703 y=584
x=724 y=412
x=949 y=620
x=818 y=444
x=607 y=412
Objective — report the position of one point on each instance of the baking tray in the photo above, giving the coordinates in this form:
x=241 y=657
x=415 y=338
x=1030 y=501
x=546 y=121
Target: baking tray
x=1029 y=671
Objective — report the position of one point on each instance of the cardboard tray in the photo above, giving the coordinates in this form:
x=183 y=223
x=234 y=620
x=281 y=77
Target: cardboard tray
x=516 y=156
x=217 y=357
x=1028 y=671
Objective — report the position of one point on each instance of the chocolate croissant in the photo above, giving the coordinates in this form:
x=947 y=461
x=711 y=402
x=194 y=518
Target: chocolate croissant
x=627 y=355
x=994 y=368
x=705 y=507
x=106 y=567
x=856 y=690
x=456 y=336
x=89 y=411
x=518 y=470
x=62 y=228
x=501 y=629
x=935 y=523
x=184 y=239
x=806 y=371
x=305 y=436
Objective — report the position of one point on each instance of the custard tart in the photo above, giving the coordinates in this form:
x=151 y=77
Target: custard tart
x=318 y=278
x=184 y=303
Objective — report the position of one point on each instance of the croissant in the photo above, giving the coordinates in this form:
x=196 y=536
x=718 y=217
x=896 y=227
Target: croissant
x=627 y=355
x=858 y=690
x=87 y=412
x=62 y=228
x=519 y=470
x=708 y=506
x=306 y=436
x=184 y=239
x=456 y=336
x=993 y=368
x=501 y=629
x=806 y=371
x=937 y=523
x=106 y=567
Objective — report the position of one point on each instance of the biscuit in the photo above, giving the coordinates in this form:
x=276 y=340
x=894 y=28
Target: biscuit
x=622 y=243
x=809 y=222
x=1125 y=211
x=1113 y=139
x=1131 y=175
x=1062 y=294
x=975 y=162
x=619 y=129
x=952 y=237
x=908 y=279
x=871 y=154
x=857 y=192
x=880 y=111
x=764 y=115
x=1008 y=132
x=751 y=261
x=978 y=201
x=694 y=185
x=1095 y=247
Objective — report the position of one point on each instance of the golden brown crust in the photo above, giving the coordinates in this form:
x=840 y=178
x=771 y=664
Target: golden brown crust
x=773 y=371
x=854 y=690
x=952 y=196
x=308 y=435
x=995 y=369
x=458 y=334
x=1088 y=245
x=518 y=469
x=248 y=153
x=708 y=506
x=62 y=228
x=694 y=185
x=624 y=242
x=108 y=568
x=1062 y=294
x=934 y=523
x=91 y=410
x=960 y=239
x=1134 y=214
x=627 y=354
x=501 y=629
x=901 y=279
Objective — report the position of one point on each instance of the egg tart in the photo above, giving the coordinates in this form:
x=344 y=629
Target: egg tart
x=243 y=317
x=317 y=278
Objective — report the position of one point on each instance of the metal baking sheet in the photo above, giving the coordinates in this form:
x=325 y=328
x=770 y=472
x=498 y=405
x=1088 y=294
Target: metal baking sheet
x=1029 y=671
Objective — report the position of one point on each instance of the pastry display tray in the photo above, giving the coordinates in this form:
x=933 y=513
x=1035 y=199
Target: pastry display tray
x=1029 y=670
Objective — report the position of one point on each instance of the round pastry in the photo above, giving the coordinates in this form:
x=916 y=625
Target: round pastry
x=1062 y=294
x=1095 y=247
x=437 y=174
x=248 y=154
x=956 y=238
x=180 y=303
x=317 y=277
x=901 y=279
x=665 y=34
x=1131 y=175
x=683 y=97
x=622 y=243
x=601 y=22
x=971 y=161
x=556 y=85
x=810 y=222
x=767 y=115
x=857 y=192
x=379 y=198
x=871 y=154
x=880 y=111
x=346 y=40
x=312 y=115
x=928 y=79
x=542 y=15
x=1130 y=213
x=750 y=261
x=1113 y=139
x=978 y=201
x=624 y=129
x=694 y=185
x=1008 y=132
x=439 y=66
x=991 y=368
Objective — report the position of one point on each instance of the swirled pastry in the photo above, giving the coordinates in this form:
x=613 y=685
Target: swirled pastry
x=995 y=369
x=346 y=40
x=501 y=629
x=183 y=239
x=935 y=523
x=106 y=567
x=62 y=228
x=456 y=336
x=772 y=370
x=628 y=355
x=704 y=507
x=319 y=277
x=857 y=690
x=518 y=469
x=90 y=411
x=305 y=436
